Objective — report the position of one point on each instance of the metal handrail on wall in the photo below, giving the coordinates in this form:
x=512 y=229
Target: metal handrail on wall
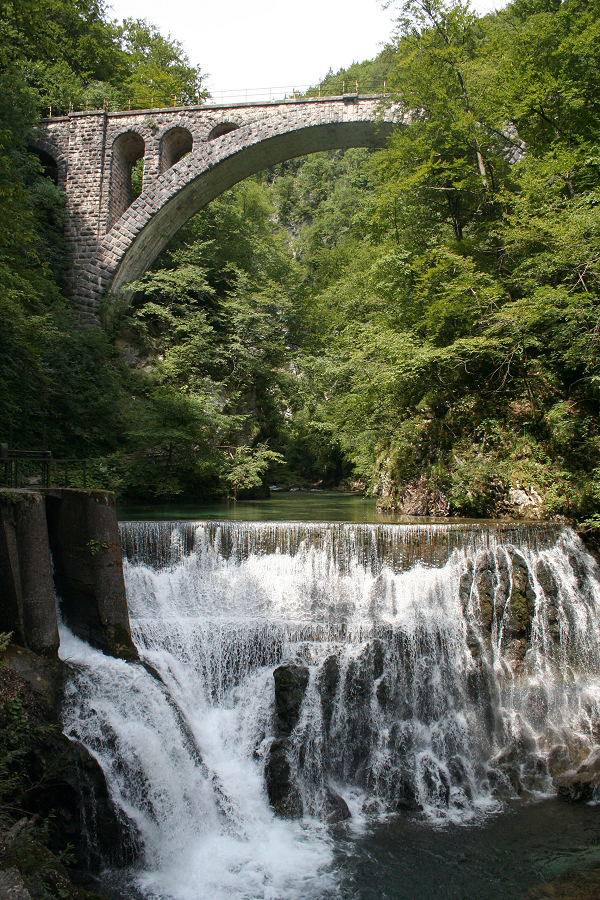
x=38 y=468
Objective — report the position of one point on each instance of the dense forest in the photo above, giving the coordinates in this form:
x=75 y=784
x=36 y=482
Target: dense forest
x=422 y=318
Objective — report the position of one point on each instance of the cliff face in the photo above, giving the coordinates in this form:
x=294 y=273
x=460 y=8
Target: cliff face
x=54 y=802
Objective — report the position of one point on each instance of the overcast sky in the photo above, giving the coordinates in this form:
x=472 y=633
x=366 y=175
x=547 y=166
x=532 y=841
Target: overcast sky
x=268 y=43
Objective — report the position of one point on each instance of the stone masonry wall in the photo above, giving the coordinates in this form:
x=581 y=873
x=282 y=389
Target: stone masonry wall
x=114 y=243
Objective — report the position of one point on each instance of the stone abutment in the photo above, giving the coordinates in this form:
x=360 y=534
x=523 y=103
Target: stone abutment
x=64 y=542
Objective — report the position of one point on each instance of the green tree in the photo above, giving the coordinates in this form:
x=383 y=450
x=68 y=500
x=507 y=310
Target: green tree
x=160 y=72
x=248 y=467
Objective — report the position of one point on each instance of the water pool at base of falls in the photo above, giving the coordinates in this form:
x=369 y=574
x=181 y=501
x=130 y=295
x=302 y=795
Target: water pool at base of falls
x=451 y=673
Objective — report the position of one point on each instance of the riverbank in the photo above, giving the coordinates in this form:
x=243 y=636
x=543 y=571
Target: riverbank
x=58 y=824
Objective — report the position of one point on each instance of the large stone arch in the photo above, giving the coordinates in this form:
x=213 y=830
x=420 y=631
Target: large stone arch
x=143 y=231
x=113 y=241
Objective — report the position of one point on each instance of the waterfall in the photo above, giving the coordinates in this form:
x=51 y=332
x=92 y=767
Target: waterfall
x=449 y=668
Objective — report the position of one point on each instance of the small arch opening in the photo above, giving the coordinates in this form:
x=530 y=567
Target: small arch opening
x=221 y=129
x=49 y=164
x=127 y=149
x=175 y=144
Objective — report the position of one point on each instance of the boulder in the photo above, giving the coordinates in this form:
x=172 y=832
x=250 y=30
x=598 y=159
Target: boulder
x=570 y=885
x=12 y=886
x=579 y=786
x=565 y=757
x=335 y=806
x=521 y=503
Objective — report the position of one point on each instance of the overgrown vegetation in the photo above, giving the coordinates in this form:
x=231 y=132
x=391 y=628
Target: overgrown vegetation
x=429 y=310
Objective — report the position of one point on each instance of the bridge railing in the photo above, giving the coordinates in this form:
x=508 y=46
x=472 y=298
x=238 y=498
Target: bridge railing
x=297 y=91
x=235 y=96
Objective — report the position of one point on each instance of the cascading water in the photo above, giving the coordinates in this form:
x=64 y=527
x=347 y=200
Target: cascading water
x=448 y=668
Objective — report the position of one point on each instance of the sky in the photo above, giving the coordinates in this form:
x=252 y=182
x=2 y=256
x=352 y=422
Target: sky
x=268 y=44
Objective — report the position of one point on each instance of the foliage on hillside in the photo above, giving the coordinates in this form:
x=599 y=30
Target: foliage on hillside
x=475 y=358
x=430 y=311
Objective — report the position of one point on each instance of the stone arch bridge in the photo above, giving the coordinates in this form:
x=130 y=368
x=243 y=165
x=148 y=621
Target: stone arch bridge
x=191 y=155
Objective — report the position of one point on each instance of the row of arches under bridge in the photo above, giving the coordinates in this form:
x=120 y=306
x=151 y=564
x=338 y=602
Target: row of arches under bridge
x=129 y=149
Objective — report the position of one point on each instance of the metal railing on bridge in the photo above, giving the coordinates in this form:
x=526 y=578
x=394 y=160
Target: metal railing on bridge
x=295 y=92
x=331 y=87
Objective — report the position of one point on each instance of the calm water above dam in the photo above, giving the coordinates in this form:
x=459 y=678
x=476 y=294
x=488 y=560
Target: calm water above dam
x=451 y=669
x=281 y=506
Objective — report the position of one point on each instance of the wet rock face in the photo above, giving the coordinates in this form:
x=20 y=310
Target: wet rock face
x=291 y=682
x=517 y=771
x=499 y=586
x=62 y=779
x=484 y=581
x=284 y=795
x=404 y=794
x=551 y=591
x=522 y=599
x=465 y=585
x=358 y=724
x=328 y=681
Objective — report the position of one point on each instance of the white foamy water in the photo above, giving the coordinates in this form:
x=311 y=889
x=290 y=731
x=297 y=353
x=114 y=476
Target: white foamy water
x=195 y=794
x=447 y=666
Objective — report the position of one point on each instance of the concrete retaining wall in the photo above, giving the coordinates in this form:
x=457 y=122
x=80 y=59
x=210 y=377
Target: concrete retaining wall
x=27 y=601
x=76 y=532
